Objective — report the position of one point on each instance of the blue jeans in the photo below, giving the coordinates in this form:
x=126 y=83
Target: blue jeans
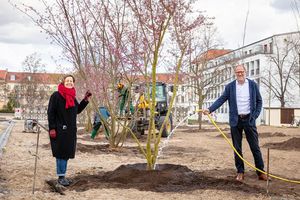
x=61 y=166
x=252 y=138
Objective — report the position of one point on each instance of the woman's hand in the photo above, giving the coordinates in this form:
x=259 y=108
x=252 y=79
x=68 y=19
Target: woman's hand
x=52 y=133
x=87 y=95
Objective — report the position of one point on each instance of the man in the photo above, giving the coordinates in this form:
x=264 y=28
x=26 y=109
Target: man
x=97 y=122
x=123 y=99
x=245 y=104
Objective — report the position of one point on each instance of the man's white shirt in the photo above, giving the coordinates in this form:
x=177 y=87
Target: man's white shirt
x=243 y=97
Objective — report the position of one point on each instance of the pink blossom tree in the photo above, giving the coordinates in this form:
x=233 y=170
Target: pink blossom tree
x=113 y=41
x=165 y=27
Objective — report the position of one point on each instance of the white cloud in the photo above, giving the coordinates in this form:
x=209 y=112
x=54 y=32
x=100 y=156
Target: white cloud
x=13 y=55
x=8 y=14
x=263 y=20
x=282 y=5
x=19 y=37
x=17 y=33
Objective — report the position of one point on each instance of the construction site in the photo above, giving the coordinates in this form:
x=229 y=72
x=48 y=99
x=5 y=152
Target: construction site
x=193 y=165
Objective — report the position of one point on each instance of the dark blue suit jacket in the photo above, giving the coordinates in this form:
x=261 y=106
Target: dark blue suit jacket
x=230 y=95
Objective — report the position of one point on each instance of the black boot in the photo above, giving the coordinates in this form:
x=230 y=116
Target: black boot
x=63 y=181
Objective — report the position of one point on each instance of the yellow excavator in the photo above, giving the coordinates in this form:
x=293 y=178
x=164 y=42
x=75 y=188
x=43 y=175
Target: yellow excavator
x=141 y=118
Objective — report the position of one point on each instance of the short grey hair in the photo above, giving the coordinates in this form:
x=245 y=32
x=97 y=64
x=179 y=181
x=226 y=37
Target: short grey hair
x=240 y=66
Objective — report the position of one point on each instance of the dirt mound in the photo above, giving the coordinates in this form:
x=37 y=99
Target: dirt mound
x=291 y=144
x=105 y=148
x=261 y=135
x=166 y=178
x=81 y=131
x=269 y=134
x=203 y=130
x=227 y=135
x=183 y=151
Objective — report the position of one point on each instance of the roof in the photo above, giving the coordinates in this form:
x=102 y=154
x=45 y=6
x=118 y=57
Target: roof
x=19 y=77
x=3 y=74
x=211 y=54
x=168 y=78
x=52 y=78
x=275 y=35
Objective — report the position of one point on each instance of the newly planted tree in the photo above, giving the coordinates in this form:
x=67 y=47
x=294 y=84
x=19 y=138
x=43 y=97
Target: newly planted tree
x=165 y=26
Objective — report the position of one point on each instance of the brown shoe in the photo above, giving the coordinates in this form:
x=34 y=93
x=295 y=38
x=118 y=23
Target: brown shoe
x=263 y=177
x=240 y=177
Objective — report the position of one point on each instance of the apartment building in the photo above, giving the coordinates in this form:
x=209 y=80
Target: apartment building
x=27 y=89
x=274 y=64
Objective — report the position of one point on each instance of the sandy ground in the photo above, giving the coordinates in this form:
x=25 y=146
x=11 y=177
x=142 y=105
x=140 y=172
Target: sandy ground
x=204 y=158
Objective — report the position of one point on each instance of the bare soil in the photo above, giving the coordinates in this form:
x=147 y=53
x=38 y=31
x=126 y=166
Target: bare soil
x=194 y=165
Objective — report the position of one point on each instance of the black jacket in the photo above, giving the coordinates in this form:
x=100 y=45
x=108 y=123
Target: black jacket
x=64 y=122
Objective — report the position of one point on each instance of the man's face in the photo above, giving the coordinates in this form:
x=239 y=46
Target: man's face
x=240 y=74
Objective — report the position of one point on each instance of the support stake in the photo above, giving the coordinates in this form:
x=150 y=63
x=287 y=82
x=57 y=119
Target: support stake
x=36 y=157
x=268 y=170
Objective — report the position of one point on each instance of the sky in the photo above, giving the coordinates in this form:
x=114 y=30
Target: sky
x=19 y=37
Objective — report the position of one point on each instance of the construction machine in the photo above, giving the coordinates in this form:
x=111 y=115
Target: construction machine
x=140 y=121
x=139 y=115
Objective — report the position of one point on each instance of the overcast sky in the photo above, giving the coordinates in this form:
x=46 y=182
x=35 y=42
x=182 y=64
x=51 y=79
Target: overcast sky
x=20 y=38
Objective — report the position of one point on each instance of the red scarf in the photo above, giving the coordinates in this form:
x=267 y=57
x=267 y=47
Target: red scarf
x=68 y=94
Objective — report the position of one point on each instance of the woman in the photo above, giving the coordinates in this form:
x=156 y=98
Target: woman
x=62 y=112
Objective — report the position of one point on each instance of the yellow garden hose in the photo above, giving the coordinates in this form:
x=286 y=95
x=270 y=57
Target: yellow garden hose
x=249 y=164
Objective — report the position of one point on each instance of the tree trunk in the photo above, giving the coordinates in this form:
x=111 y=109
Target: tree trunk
x=200 y=104
x=89 y=125
x=200 y=120
x=282 y=102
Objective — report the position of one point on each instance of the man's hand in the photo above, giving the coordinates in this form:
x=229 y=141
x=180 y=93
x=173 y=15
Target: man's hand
x=52 y=133
x=87 y=95
x=205 y=111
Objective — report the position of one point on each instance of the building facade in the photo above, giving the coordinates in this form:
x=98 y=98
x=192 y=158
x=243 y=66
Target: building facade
x=29 y=91
x=273 y=63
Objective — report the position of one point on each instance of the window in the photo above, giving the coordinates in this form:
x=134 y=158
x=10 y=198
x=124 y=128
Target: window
x=252 y=68
x=257 y=66
x=160 y=93
x=29 y=78
x=265 y=48
x=182 y=99
x=12 y=77
x=247 y=66
x=258 y=82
